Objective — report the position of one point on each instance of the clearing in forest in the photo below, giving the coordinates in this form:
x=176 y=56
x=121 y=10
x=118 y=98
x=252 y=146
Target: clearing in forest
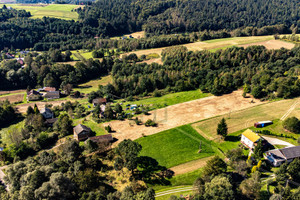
x=62 y=11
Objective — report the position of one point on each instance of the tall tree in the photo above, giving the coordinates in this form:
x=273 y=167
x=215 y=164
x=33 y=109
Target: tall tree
x=222 y=128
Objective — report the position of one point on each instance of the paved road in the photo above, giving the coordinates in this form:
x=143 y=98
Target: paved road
x=275 y=141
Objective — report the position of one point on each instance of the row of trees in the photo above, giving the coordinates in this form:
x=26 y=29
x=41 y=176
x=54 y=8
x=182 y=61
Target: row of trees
x=7 y=113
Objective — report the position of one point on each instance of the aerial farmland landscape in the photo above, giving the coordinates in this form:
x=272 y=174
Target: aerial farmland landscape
x=149 y=99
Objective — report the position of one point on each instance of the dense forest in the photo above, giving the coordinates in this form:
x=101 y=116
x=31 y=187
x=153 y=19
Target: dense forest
x=165 y=17
x=110 y=18
x=262 y=71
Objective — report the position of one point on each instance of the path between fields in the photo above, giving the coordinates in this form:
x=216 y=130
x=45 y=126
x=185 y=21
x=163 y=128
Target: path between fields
x=181 y=114
x=172 y=191
x=275 y=141
x=190 y=166
x=290 y=110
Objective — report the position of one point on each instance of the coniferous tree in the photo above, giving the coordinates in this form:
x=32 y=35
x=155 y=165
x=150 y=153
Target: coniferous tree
x=222 y=128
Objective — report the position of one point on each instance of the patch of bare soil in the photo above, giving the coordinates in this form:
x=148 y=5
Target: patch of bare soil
x=23 y=108
x=181 y=114
x=13 y=98
x=271 y=44
x=190 y=166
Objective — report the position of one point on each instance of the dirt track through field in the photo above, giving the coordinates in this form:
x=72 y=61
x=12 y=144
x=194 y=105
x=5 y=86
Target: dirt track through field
x=181 y=114
x=190 y=166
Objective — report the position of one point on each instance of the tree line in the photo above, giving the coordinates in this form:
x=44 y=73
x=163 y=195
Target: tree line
x=265 y=73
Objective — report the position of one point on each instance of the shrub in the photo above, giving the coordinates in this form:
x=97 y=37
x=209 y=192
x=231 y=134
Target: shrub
x=292 y=124
x=108 y=128
x=150 y=122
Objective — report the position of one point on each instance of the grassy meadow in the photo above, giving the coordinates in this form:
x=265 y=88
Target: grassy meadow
x=62 y=11
x=175 y=146
x=93 y=84
x=171 y=99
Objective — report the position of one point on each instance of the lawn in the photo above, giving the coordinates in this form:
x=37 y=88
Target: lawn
x=171 y=99
x=175 y=146
x=93 y=84
x=62 y=11
x=167 y=197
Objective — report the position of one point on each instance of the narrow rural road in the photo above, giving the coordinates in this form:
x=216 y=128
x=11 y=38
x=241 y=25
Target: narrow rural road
x=182 y=189
x=275 y=141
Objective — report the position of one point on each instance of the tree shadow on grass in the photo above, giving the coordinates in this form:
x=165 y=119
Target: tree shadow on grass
x=17 y=120
x=231 y=138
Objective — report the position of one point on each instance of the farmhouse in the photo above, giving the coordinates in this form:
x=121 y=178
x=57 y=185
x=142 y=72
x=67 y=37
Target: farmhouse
x=81 y=132
x=33 y=95
x=47 y=113
x=279 y=156
x=99 y=101
x=52 y=95
x=102 y=138
x=249 y=139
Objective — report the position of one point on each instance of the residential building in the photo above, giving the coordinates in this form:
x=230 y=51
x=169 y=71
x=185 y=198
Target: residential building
x=52 y=95
x=279 y=156
x=250 y=139
x=81 y=132
x=99 y=101
x=47 y=113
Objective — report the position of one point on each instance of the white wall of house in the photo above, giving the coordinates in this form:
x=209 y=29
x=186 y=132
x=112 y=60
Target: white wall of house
x=248 y=142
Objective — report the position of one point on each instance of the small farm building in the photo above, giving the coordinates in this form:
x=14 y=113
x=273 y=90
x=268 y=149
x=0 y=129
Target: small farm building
x=81 y=132
x=250 y=139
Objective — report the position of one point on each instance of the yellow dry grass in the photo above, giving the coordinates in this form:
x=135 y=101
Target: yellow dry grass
x=246 y=118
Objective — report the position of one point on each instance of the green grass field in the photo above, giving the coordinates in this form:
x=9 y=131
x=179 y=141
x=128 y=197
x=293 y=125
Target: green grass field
x=175 y=146
x=93 y=84
x=62 y=11
x=77 y=54
x=171 y=99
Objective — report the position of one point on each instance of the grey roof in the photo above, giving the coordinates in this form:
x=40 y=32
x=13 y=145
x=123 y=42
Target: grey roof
x=79 y=128
x=276 y=153
x=291 y=152
x=43 y=110
x=52 y=94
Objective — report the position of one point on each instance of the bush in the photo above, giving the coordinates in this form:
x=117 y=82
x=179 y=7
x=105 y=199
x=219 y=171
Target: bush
x=150 y=122
x=108 y=128
x=292 y=124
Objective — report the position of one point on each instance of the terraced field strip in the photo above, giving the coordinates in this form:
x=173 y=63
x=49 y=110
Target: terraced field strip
x=172 y=191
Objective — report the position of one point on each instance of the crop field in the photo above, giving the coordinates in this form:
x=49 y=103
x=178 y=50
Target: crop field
x=175 y=146
x=62 y=11
x=13 y=98
x=242 y=119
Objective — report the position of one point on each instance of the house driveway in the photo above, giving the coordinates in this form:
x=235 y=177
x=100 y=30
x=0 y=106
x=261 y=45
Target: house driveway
x=275 y=141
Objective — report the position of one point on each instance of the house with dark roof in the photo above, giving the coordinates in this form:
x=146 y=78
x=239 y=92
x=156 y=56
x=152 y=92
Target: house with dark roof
x=33 y=95
x=50 y=122
x=102 y=138
x=280 y=156
x=47 y=113
x=250 y=139
x=81 y=132
x=99 y=101
x=52 y=95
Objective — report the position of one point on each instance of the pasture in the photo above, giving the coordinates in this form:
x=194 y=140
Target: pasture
x=175 y=146
x=93 y=84
x=171 y=99
x=62 y=11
